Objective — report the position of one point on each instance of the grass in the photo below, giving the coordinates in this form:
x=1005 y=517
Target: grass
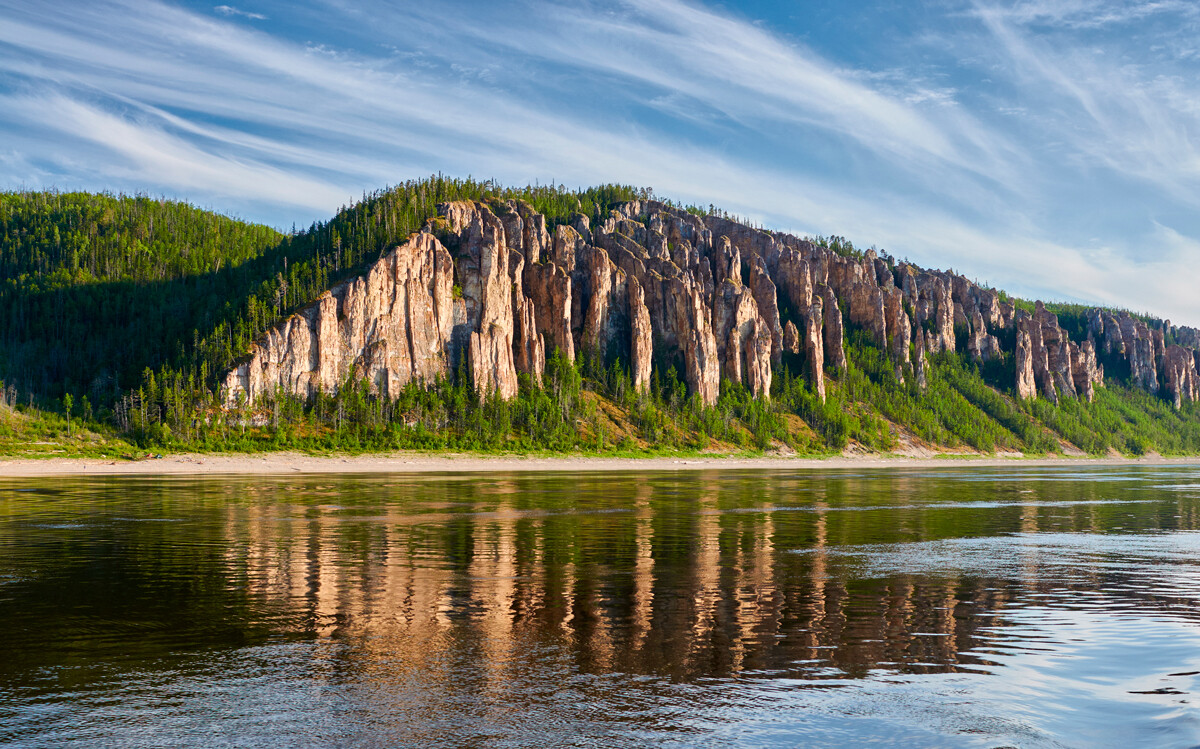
x=28 y=433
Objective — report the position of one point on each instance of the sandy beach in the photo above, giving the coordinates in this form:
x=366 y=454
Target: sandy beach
x=293 y=463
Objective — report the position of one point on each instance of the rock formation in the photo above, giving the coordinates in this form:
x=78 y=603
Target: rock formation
x=393 y=325
x=1179 y=373
x=791 y=338
x=492 y=289
x=641 y=340
x=1026 y=385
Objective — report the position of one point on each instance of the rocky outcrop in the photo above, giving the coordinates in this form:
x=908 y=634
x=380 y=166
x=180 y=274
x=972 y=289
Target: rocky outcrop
x=791 y=338
x=929 y=295
x=393 y=325
x=482 y=265
x=529 y=346
x=549 y=288
x=866 y=309
x=491 y=289
x=814 y=346
x=701 y=361
x=1049 y=362
x=835 y=351
x=981 y=345
x=1024 y=356
x=899 y=329
x=641 y=337
x=1057 y=375
x=918 y=360
x=767 y=299
x=1087 y=371
x=594 y=274
x=1179 y=374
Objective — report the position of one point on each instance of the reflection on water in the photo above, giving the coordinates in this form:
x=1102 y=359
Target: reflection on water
x=966 y=607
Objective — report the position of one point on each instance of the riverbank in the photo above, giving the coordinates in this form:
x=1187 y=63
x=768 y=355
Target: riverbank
x=293 y=463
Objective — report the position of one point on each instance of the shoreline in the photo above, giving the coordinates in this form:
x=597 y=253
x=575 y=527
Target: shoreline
x=297 y=463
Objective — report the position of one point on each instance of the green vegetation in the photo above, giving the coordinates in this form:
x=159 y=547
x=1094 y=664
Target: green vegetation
x=117 y=314
x=31 y=432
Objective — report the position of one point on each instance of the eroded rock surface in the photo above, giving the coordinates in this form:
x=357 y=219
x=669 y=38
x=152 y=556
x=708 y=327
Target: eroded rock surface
x=493 y=287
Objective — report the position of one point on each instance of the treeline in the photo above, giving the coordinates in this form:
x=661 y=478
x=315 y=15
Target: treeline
x=50 y=239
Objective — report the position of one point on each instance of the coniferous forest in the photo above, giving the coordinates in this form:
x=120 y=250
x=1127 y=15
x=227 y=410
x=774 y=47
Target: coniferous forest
x=119 y=315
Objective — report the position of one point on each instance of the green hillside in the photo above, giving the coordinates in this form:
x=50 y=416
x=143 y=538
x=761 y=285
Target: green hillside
x=122 y=312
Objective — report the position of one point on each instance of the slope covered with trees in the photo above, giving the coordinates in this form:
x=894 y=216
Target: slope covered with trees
x=125 y=313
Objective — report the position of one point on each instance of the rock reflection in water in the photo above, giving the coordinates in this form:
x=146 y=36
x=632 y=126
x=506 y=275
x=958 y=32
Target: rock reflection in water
x=619 y=609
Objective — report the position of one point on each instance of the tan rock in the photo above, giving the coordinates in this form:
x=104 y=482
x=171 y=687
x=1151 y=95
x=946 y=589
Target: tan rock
x=727 y=262
x=549 y=287
x=835 y=351
x=1026 y=387
x=1179 y=371
x=596 y=292
x=918 y=359
x=899 y=329
x=390 y=326
x=736 y=320
x=757 y=353
x=1086 y=369
x=702 y=367
x=794 y=280
x=641 y=344
x=765 y=296
x=866 y=308
x=649 y=282
x=814 y=346
x=529 y=346
x=791 y=338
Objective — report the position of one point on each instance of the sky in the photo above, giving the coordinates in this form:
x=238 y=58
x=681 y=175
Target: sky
x=1047 y=147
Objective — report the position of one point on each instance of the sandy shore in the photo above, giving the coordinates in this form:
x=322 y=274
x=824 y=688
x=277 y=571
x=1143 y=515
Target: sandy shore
x=293 y=463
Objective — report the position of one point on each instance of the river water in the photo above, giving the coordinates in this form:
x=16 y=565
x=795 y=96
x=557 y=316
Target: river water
x=973 y=607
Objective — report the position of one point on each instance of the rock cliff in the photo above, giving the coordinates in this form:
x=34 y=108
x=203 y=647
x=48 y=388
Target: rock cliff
x=492 y=289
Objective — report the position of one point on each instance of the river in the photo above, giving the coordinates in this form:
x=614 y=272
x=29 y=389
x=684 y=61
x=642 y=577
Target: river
x=963 y=607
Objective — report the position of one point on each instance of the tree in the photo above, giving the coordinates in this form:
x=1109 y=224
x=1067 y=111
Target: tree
x=68 y=402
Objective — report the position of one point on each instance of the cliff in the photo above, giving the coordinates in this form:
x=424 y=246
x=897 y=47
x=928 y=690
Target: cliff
x=493 y=287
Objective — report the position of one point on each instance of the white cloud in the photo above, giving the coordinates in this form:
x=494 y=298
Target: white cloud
x=154 y=156
x=1132 y=120
x=1091 y=14
x=229 y=10
x=758 y=80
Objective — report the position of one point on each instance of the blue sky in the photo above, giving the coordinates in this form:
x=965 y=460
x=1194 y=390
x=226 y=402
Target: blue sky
x=1050 y=147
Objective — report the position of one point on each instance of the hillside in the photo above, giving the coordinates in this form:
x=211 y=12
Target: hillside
x=453 y=314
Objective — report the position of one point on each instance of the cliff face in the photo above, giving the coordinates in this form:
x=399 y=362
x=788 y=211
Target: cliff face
x=394 y=324
x=491 y=287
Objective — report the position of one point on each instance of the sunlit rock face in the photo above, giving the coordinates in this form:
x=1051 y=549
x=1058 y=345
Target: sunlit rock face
x=492 y=289
x=1179 y=369
x=391 y=325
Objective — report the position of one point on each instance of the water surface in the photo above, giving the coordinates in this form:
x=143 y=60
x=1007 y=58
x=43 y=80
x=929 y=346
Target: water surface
x=976 y=607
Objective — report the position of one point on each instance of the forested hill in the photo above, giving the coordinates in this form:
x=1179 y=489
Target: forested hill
x=157 y=320
x=97 y=289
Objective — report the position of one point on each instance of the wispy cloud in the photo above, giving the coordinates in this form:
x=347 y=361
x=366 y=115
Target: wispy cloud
x=701 y=104
x=755 y=79
x=229 y=10
x=1092 y=14
x=148 y=149
x=1137 y=122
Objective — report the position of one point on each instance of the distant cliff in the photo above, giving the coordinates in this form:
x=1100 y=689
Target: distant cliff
x=490 y=289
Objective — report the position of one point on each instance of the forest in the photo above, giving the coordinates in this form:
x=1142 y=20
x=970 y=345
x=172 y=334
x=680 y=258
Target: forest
x=118 y=314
